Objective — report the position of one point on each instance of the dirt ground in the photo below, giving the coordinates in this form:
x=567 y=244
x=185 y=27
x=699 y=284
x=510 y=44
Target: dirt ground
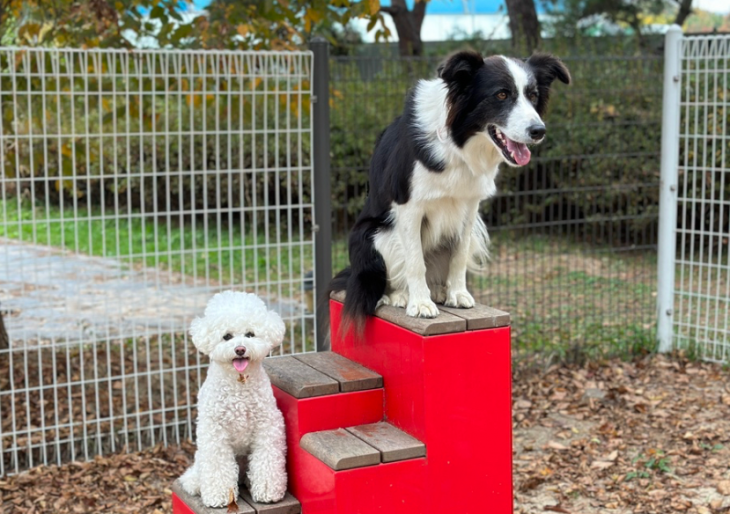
x=648 y=436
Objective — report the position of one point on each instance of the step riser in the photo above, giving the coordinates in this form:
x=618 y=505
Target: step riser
x=453 y=392
x=310 y=480
x=328 y=412
x=384 y=488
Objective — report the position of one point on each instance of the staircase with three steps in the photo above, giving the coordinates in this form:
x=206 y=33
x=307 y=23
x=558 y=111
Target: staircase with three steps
x=414 y=418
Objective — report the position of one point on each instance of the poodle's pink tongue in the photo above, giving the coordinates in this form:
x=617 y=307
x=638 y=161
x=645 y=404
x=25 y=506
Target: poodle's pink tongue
x=240 y=364
x=519 y=151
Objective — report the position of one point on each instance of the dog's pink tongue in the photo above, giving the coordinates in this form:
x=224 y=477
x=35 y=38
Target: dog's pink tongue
x=519 y=150
x=240 y=364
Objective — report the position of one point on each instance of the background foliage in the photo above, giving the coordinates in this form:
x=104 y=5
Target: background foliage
x=603 y=136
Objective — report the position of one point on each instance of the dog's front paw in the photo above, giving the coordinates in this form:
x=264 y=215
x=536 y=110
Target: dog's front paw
x=423 y=308
x=270 y=492
x=190 y=481
x=215 y=495
x=459 y=298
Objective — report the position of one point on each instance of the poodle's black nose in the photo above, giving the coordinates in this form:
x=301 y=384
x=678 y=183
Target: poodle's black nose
x=240 y=351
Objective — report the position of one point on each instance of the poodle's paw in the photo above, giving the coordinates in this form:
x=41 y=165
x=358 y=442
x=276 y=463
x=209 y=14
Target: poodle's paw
x=216 y=496
x=438 y=294
x=190 y=481
x=268 y=491
x=422 y=308
x=459 y=298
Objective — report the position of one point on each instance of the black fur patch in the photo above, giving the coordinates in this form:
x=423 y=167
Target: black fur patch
x=546 y=69
x=474 y=103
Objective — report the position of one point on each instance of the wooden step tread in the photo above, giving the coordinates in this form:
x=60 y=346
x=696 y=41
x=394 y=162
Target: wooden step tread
x=392 y=443
x=339 y=449
x=319 y=374
x=246 y=505
x=350 y=375
x=363 y=445
x=449 y=320
x=298 y=379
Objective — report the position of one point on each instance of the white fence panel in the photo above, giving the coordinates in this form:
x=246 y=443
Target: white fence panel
x=701 y=274
x=134 y=186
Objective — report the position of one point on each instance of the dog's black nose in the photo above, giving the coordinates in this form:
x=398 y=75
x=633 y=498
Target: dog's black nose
x=536 y=132
x=240 y=351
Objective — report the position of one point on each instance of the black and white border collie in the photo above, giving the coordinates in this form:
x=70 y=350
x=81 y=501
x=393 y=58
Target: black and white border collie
x=420 y=227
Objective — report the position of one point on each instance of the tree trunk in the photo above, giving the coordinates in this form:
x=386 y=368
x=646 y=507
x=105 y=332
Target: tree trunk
x=407 y=25
x=523 y=24
x=685 y=9
x=4 y=340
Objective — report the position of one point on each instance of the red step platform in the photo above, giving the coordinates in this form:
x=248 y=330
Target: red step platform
x=415 y=418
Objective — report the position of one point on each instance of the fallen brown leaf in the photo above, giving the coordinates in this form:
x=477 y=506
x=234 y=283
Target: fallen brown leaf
x=556 y=446
x=232 y=505
x=556 y=508
x=723 y=487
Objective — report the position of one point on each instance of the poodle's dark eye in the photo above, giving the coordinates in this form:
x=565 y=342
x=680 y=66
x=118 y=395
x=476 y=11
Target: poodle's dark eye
x=250 y=334
x=228 y=337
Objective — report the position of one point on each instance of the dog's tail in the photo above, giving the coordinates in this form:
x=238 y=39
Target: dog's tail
x=478 y=247
x=364 y=282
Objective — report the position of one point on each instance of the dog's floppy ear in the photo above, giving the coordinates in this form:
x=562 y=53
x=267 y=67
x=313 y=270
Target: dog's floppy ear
x=460 y=67
x=275 y=327
x=547 y=68
x=203 y=339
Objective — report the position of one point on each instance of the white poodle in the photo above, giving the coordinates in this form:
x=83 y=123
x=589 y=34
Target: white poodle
x=237 y=413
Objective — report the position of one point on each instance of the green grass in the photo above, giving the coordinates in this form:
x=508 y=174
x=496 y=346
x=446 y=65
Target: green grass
x=569 y=301
x=219 y=253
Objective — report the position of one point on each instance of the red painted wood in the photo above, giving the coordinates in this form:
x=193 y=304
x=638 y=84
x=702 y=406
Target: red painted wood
x=396 y=488
x=397 y=355
x=453 y=392
x=179 y=506
x=331 y=411
x=310 y=480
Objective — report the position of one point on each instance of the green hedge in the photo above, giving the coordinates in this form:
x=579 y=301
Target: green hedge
x=158 y=141
x=599 y=165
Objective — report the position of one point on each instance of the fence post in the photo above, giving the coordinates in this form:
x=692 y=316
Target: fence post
x=667 y=243
x=322 y=187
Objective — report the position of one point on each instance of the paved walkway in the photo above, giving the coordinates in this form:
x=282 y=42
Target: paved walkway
x=52 y=295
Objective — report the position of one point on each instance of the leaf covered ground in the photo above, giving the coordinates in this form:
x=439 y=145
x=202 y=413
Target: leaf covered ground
x=648 y=436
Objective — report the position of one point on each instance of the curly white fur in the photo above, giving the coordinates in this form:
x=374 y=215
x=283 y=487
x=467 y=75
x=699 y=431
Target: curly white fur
x=237 y=413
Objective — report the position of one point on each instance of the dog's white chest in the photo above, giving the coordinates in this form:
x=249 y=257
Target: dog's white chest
x=232 y=409
x=456 y=183
x=447 y=200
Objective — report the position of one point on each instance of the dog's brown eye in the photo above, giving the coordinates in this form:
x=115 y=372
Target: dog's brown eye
x=533 y=97
x=502 y=95
x=228 y=337
x=250 y=334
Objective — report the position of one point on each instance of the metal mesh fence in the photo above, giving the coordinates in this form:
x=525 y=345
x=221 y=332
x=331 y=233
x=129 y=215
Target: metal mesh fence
x=574 y=232
x=702 y=268
x=134 y=186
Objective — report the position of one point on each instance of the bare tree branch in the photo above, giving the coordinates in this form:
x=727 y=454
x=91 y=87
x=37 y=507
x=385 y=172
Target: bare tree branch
x=685 y=9
x=523 y=23
x=408 y=25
